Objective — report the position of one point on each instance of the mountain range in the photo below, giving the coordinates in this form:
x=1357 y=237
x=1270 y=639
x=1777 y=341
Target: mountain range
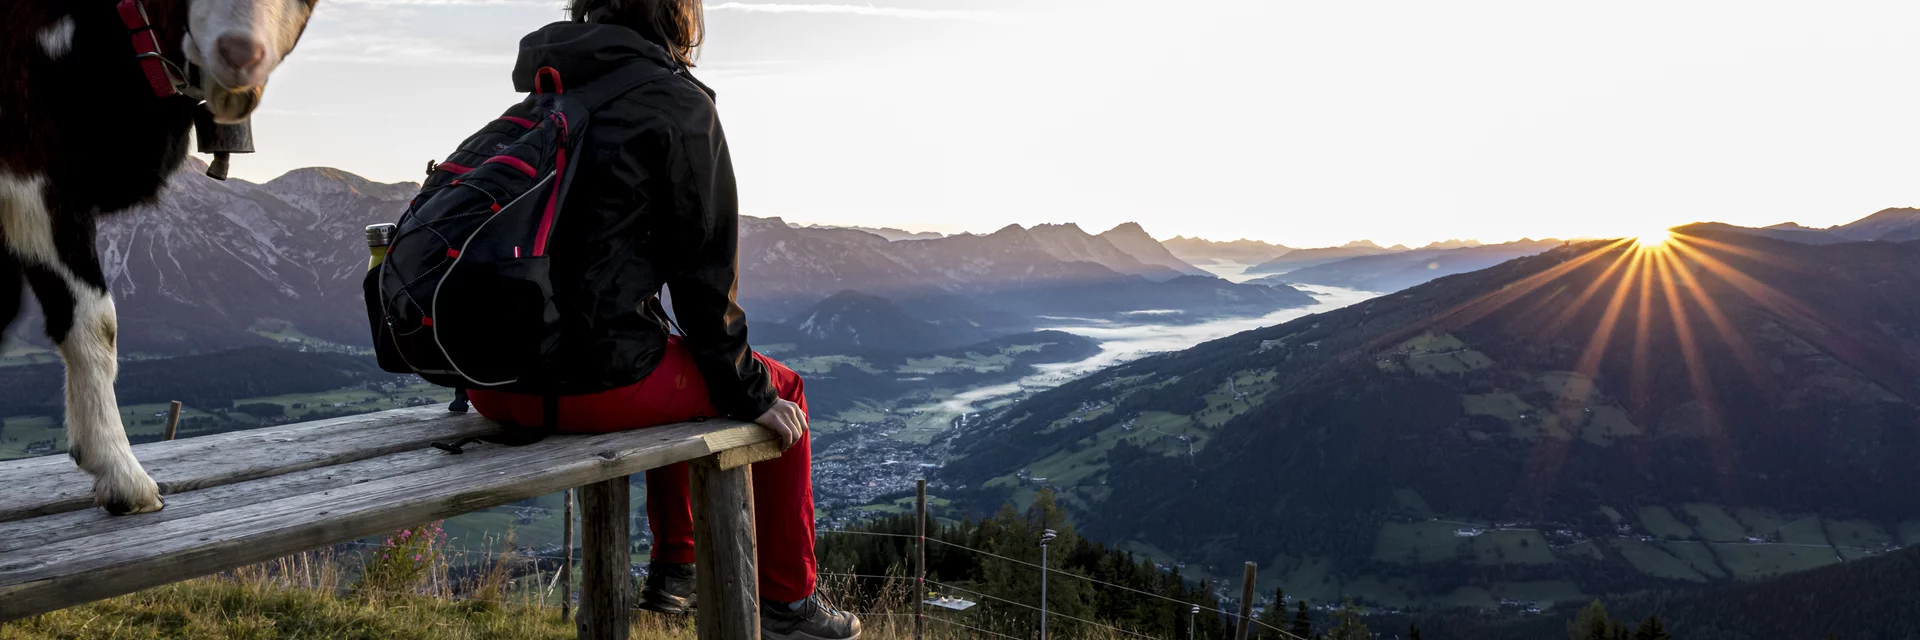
x=1242 y=251
x=1599 y=418
x=1386 y=272
x=1303 y=258
x=215 y=265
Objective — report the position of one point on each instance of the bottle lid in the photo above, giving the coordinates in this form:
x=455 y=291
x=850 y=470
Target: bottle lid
x=380 y=235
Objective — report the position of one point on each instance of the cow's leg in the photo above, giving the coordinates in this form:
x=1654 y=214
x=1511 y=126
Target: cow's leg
x=57 y=255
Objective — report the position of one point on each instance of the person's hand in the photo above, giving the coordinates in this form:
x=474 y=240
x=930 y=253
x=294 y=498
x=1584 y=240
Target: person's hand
x=786 y=419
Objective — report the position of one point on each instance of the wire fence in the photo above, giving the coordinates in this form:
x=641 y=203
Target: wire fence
x=1232 y=616
x=1051 y=571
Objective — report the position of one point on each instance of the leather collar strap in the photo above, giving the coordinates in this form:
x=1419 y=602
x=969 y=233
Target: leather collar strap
x=146 y=48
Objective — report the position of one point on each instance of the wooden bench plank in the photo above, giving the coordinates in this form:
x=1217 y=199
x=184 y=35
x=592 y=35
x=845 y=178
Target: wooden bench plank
x=52 y=484
x=26 y=535
x=76 y=570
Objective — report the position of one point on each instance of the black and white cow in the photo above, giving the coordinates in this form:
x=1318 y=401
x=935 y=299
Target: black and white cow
x=90 y=127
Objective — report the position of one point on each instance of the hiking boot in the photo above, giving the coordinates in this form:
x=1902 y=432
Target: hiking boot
x=808 y=619
x=669 y=588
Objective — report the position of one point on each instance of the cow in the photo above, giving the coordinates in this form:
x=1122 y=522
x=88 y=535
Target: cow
x=96 y=100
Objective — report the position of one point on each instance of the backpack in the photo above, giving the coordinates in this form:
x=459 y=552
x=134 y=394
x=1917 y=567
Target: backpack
x=463 y=298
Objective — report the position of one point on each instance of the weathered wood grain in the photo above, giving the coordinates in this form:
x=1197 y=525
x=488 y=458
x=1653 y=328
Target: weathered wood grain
x=749 y=454
x=606 y=588
x=27 y=535
x=82 y=568
x=52 y=484
x=725 y=556
x=1245 y=619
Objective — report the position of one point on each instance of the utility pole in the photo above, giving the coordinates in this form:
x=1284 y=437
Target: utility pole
x=1046 y=538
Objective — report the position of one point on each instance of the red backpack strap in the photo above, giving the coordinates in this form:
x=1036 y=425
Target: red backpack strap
x=546 y=72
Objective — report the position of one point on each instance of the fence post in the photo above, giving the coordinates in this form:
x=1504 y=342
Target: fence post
x=725 y=556
x=566 y=567
x=606 y=560
x=920 y=567
x=1246 y=603
x=173 y=419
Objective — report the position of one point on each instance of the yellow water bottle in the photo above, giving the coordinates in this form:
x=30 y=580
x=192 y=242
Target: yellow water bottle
x=378 y=237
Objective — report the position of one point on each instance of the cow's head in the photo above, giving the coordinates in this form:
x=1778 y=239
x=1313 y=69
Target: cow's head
x=236 y=43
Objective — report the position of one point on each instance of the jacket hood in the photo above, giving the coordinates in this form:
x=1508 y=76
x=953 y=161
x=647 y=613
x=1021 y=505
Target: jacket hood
x=583 y=52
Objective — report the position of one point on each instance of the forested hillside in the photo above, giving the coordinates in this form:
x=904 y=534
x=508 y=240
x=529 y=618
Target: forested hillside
x=1601 y=418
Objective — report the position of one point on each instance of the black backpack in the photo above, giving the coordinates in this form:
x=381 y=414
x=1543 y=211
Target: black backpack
x=463 y=298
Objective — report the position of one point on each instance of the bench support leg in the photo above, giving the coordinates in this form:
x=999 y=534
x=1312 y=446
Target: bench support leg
x=725 y=552
x=606 y=585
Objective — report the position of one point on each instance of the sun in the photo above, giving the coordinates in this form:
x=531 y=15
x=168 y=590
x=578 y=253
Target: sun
x=1653 y=238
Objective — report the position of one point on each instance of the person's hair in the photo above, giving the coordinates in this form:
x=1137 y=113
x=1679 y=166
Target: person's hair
x=678 y=24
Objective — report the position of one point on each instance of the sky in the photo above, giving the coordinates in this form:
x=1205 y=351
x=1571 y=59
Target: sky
x=1302 y=123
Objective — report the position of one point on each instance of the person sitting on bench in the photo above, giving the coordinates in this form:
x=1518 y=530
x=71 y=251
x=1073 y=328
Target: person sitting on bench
x=653 y=204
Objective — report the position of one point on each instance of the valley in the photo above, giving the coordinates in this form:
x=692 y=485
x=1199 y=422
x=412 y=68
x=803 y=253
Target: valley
x=1544 y=431
x=1507 y=427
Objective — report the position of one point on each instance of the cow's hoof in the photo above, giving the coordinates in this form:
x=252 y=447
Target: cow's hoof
x=127 y=494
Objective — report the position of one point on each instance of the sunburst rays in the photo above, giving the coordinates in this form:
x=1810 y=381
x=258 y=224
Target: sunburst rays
x=1661 y=286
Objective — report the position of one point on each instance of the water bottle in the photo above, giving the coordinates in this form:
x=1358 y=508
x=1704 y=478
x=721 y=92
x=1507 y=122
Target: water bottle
x=378 y=237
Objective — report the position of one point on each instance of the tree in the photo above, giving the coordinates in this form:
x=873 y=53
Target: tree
x=1347 y=625
x=1592 y=623
x=1651 y=629
x=1302 y=621
x=1274 y=619
x=1413 y=631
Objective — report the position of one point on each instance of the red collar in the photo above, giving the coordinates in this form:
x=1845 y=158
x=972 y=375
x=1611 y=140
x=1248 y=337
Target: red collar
x=161 y=74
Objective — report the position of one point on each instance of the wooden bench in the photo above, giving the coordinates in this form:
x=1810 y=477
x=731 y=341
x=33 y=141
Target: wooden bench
x=246 y=497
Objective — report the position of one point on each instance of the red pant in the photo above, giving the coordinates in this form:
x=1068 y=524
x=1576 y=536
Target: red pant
x=675 y=392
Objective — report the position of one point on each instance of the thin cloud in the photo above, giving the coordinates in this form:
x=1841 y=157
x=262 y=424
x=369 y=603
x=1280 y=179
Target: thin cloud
x=858 y=10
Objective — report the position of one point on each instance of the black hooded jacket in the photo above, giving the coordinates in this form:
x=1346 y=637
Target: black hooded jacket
x=652 y=203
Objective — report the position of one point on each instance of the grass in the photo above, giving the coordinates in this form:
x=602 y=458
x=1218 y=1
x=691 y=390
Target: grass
x=215 y=608
x=1652 y=560
x=1751 y=561
x=1697 y=555
x=1512 y=546
x=1714 y=524
x=1500 y=404
x=1804 y=531
x=312 y=596
x=1857 y=533
x=1661 y=523
x=1604 y=424
x=1761 y=522
x=19 y=432
x=1417 y=542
